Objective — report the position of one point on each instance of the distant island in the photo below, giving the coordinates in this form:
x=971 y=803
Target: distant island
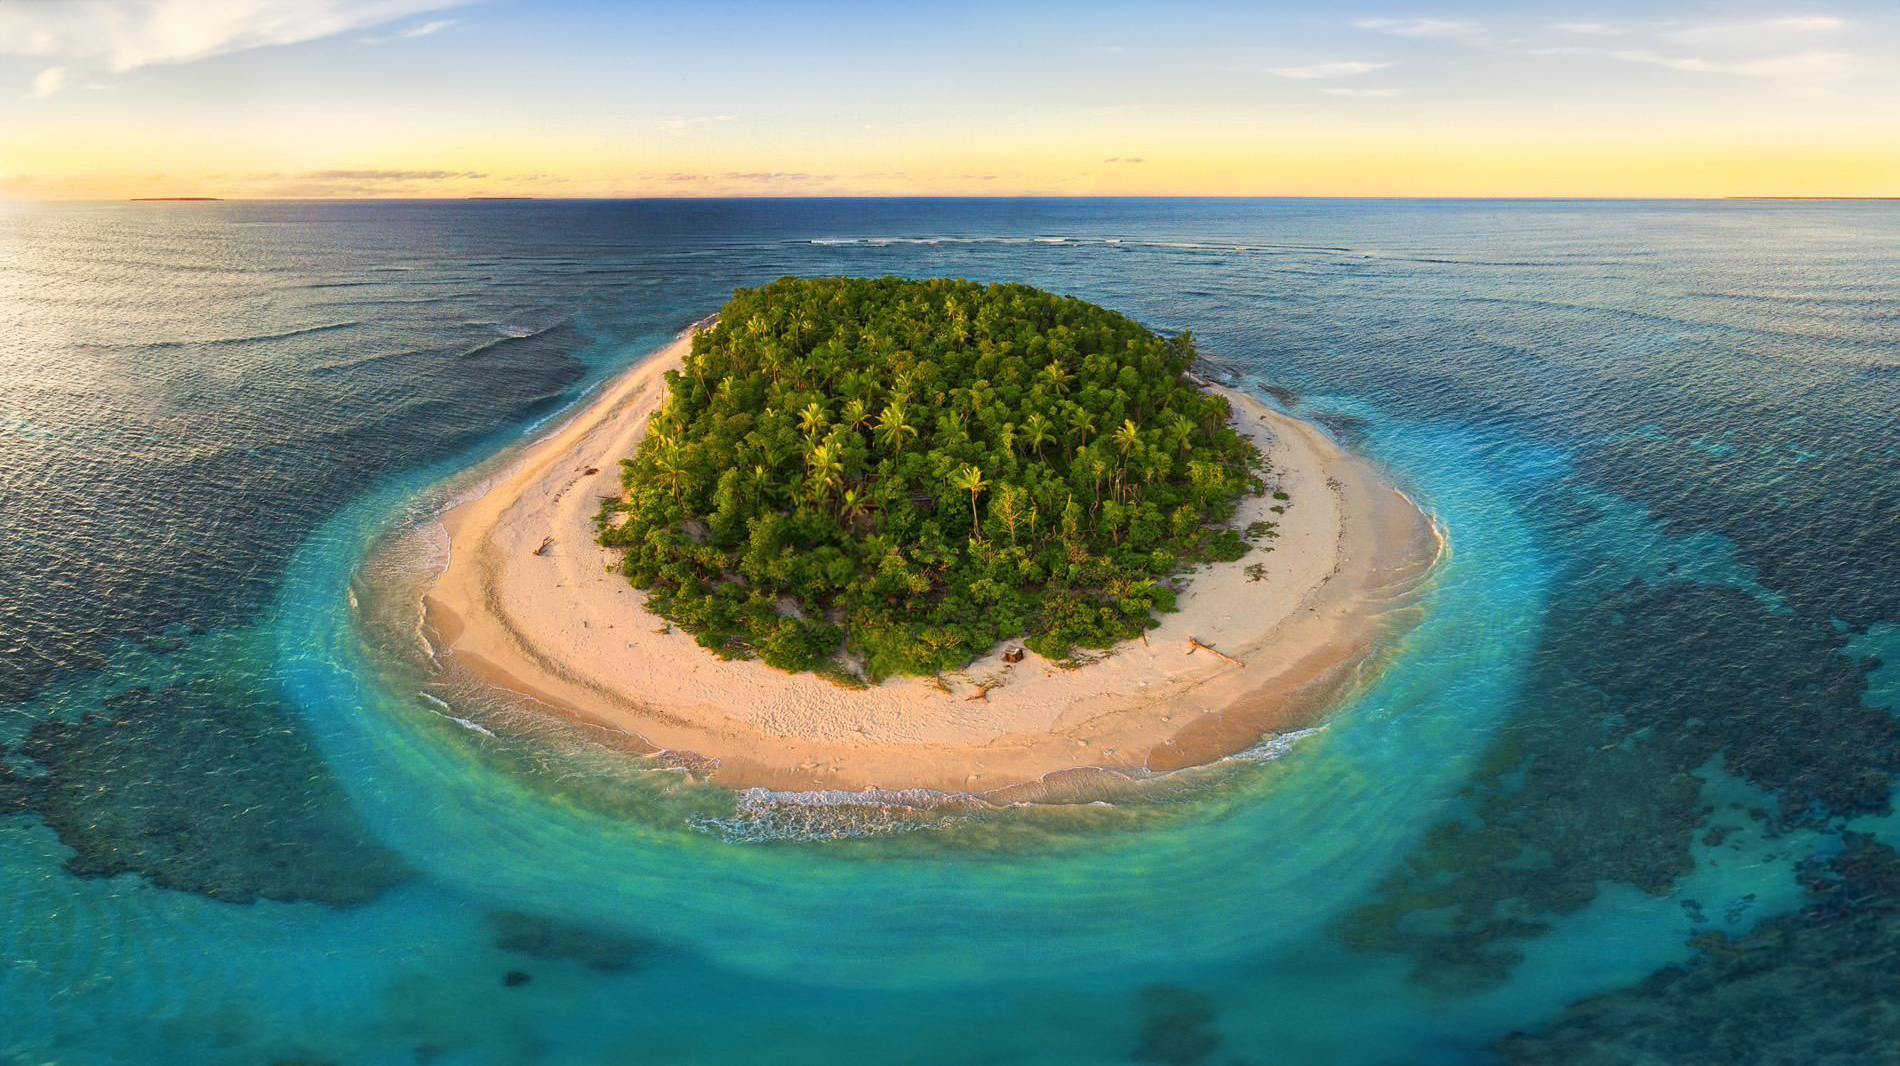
x=871 y=477
x=499 y=197
x=876 y=531
x=175 y=199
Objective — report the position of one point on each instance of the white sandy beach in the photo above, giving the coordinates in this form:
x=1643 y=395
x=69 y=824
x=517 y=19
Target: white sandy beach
x=559 y=627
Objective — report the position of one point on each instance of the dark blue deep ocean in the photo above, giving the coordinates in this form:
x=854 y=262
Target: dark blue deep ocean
x=1623 y=795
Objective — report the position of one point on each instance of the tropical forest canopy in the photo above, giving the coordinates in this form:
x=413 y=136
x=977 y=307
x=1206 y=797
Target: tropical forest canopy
x=875 y=476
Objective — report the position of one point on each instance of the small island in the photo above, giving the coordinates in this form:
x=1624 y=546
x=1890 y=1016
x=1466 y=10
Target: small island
x=875 y=477
x=856 y=533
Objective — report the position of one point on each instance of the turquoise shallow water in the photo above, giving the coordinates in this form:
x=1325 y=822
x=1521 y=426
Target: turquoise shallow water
x=1643 y=729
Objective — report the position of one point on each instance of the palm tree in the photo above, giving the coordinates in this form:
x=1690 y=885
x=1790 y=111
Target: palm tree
x=672 y=471
x=893 y=426
x=812 y=420
x=1180 y=430
x=825 y=471
x=1126 y=436
x=852 y=506
x=1082 y=426
x=970 y=480
x=1036 y=432
x=1057 y=378
x=856 y=414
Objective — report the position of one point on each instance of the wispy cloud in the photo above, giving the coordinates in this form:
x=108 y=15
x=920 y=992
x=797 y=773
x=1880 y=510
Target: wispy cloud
x=1419 y=27
x=773 y=175
x=125 y=35
x=48 y=81
x=1124 y=159
x=1807 y=67
x=682 y=177
x=428 y=28
x=387 y=175
x=681 y=126
x=424 y=30
x=1797 y=66
x=1762 y=32
x=1362 y=92
x=1328 y=70
x=363 y=181
x=1751 y=49
x=1593 y=29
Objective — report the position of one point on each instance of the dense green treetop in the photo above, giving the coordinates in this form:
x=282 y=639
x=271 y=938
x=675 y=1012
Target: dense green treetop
x=874 y=476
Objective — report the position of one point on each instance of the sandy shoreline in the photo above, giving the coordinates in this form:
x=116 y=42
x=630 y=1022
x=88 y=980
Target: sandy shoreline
x=558 y=627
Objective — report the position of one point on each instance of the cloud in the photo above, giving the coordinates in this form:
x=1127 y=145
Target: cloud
x=773 y=175
x=1809 y=66
x=412 y=32
x=1119 y=159
x=1419 y=27
x=679 y=127
x=1749 y=49
x=48 y=81
x=357 y=181
x=1594 y=29
x=385 y=175
x=694 y=178
x=1363 y=92
x=1328 y=70
x=125 y=34
x=428 y=28
x=1762 y=32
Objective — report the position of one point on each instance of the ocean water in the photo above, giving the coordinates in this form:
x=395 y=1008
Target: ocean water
x=1623 y=795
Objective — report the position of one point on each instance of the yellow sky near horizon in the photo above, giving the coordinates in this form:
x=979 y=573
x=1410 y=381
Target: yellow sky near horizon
x=380 y=98
x=1286 y=166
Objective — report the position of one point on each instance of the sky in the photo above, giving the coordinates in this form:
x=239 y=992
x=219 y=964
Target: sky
x=107 y=99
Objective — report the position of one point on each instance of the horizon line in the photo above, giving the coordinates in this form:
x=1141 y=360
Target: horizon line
x=184 y=198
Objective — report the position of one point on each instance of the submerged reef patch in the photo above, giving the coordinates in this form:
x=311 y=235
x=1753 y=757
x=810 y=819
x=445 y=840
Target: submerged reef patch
x=204 y=786
x=539 y=937
x=1177 y=1026
x=1594 y=779
x=1814 y=987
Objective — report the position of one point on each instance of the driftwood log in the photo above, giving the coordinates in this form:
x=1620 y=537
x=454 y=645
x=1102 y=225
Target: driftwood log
x=1195 y=645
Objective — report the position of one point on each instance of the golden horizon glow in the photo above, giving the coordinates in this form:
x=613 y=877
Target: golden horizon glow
x=394 y=99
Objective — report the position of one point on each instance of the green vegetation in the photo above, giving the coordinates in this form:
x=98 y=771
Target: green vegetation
x=868 y=477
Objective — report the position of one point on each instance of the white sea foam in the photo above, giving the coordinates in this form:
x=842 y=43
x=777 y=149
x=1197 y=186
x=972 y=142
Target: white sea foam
x=1273 y=747
x=762 y=815
x=463 y=722
x=1072 y=241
